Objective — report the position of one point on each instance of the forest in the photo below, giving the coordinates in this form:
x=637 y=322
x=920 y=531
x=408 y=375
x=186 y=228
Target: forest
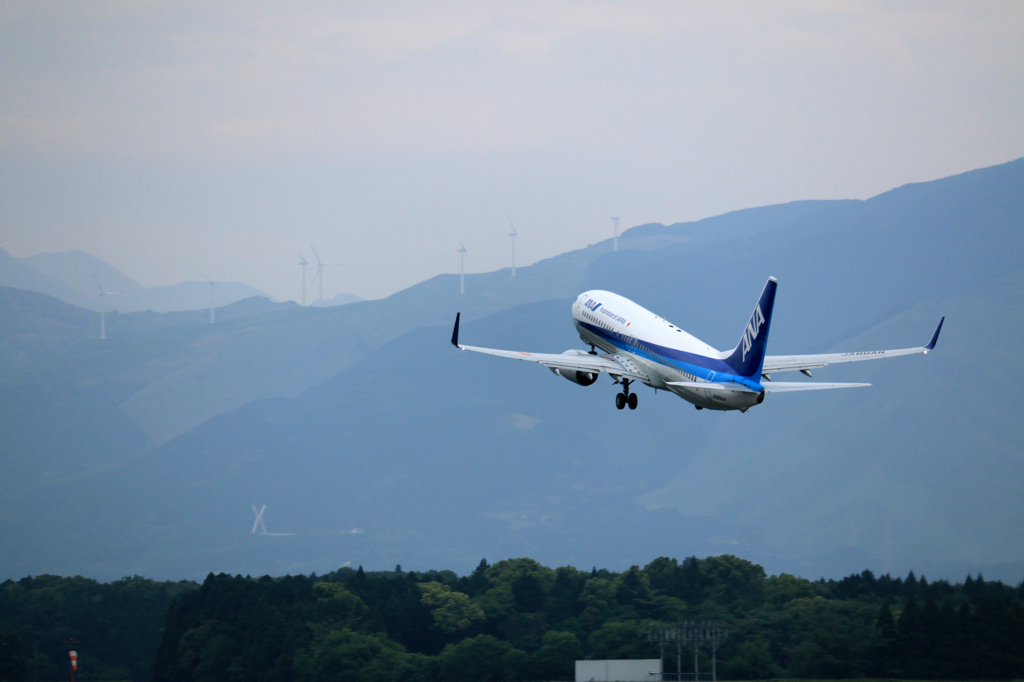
x=513 y=620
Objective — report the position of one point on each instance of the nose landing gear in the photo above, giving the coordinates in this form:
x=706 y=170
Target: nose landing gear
x=625 y=398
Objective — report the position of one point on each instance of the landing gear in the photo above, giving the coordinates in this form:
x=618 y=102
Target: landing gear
x=592 y=350
x=698 y=407
x=625 y=398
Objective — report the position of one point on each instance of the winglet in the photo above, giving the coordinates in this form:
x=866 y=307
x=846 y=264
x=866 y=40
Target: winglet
x=455 y=332
x=935 y=336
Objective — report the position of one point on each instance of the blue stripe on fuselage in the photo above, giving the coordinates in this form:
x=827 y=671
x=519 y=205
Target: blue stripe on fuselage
x=699 y=366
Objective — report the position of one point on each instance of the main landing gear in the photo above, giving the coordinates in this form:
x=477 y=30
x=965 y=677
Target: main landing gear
x=625 y=398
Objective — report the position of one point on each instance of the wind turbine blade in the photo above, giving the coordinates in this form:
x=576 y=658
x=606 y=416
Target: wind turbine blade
x=316 y=255
x=204 y=276
x=100 y=286
x=514 y=233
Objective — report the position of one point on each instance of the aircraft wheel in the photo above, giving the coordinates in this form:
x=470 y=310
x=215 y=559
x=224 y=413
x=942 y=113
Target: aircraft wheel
x=620 y=400
x=698 y=407
x=632 y=401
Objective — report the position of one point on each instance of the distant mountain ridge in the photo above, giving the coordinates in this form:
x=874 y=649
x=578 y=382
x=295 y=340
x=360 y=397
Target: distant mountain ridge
x=373 y=440
x=70 y=275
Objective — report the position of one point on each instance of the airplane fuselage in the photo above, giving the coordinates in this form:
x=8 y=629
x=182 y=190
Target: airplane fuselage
x=662 y=352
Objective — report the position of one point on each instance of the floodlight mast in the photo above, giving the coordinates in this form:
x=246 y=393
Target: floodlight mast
x=696 y=633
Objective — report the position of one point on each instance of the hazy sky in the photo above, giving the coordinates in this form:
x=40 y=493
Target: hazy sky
x=166 y=138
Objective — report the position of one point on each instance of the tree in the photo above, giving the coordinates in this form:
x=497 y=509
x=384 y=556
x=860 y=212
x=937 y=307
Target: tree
x=336 y=606
x=12 y=658
x=476 y=659
x=452 y=611
x=556 y=658
x=347 y=655
x=620 y=640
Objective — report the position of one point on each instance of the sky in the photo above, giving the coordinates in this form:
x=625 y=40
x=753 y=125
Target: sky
x=166 y=138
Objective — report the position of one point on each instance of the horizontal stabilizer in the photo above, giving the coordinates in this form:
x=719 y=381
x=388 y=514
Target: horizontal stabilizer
x=769 y=386
x=784 y=386
x=737 y=388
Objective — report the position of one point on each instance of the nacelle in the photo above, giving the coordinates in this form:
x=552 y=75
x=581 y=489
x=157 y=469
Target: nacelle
x=575 y=376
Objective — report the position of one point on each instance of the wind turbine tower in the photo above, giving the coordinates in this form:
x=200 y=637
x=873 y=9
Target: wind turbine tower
x=615 y=220
x=462 y=268
x=513 y=234
x=303 y=263
x=319 y=274
x=213 y=296
x=103 y=307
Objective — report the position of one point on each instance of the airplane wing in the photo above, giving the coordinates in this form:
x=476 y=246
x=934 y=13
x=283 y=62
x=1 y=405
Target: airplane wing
x=804 y=363
x=578 y=361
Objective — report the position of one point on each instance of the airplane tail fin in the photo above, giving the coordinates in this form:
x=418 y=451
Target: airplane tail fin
x=748 y=356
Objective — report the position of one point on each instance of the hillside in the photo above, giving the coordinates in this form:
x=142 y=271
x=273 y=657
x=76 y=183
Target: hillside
x=391 y=447
x=75 y=277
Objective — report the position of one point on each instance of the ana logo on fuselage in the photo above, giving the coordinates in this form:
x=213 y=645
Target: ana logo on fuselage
x=753 y=327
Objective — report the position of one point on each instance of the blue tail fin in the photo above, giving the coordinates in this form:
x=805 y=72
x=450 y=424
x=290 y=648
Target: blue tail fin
x=748 y=357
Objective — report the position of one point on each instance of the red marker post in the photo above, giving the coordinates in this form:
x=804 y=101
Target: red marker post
x=74 y=663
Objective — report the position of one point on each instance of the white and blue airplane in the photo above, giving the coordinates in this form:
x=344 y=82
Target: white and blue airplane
x=639 y=346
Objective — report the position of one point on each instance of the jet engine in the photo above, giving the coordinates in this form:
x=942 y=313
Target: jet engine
x=575 y=376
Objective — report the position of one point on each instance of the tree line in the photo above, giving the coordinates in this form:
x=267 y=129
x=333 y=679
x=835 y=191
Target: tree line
x=115 y=627
x=519 y=620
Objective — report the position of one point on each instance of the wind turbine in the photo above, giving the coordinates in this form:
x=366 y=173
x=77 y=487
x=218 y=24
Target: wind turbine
x=258 y=523
x=513 y=234
x=462 y=268
x=303 y=263
x=213 y=295
x=259 y=518
x=103 y=307
x=319 y=274
x=616 y=219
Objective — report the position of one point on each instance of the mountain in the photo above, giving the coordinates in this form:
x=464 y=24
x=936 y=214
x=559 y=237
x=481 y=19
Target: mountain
x=169 y=381
x=340 y=299
x=75 y=277
x=15 y=273
x=399 y=449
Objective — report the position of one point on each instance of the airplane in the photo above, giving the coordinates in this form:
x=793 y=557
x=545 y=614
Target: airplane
x=659 y=354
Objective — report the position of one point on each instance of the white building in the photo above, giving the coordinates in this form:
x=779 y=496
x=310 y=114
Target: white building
x=637 y=670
